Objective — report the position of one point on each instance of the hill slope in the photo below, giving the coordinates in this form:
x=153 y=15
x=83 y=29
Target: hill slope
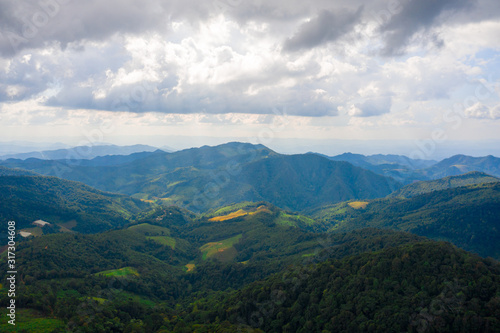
x=25 y=199
x=470 y=178
x=466 y=216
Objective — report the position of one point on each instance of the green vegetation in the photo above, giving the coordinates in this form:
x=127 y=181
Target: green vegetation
x=29 y=320
x=419 y=287
x=164 y=240
x=294 y=220
x=25 y=199
x=220 y=248
x=120 y=272
x=423 y=187
x=110 y=263
x=466 y=216
x=149 y=229
x=295 y=182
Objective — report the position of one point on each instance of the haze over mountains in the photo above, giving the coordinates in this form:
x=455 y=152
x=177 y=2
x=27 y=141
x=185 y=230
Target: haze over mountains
x=81 y=152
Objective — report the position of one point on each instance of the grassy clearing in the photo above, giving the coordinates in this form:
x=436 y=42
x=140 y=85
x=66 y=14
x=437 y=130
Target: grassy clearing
x=293 y=220
x=164 y=240
x=217 y=248
x=28 y=320
x=160 y=235
x=150 y=230
x=232 y=208
x=119 y=272
x=239 y=213
x=358 y=204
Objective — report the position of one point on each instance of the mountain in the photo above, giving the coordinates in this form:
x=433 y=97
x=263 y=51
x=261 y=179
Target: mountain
x=401 y=168
x=81 y=152
x=379 y=159
x=465 y=216
x=460 y=164
x=207 y=177
x=470 y=178
x=298 y=182
x=64 y=204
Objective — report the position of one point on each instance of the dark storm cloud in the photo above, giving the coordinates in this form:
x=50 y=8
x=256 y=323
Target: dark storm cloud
x=327 y=27
x=416 y=16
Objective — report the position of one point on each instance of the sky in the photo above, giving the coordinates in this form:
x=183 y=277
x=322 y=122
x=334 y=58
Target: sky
x=420 y=78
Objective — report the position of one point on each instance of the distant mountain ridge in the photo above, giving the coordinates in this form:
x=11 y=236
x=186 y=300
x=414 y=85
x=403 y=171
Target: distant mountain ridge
x=460 y=164
x=81 y=152
x=399 y=167
x=208 y=177
x=422 y=187
x=407 y=170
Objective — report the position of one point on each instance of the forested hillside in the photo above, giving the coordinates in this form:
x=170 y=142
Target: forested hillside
x=25 y=199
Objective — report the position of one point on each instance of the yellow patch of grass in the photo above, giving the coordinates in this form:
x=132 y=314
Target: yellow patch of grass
x=190 y=267
x=230 y=216
x=358 y=204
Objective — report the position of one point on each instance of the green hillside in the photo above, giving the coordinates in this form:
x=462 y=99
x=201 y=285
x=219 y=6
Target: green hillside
x=466 y=216
x=421 y=287
x=123 y=278
x=470 y=178
x=73 y=205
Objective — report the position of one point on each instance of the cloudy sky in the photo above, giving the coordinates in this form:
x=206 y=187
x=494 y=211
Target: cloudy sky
x=420 y=71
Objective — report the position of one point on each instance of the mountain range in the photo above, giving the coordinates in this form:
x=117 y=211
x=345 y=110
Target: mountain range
x=407 y=170
x=81 y=152
x=207 y=177
x=239 y=238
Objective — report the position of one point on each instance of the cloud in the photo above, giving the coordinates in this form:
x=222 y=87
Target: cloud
x=29 y=24
x=327 y=27
x=481 y=111
x=371 y=108
x=415 y=17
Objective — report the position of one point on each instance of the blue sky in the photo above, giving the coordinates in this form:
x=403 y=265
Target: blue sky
x=370 y=71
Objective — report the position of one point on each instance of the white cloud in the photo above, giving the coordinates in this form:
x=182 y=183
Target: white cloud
x=481 y=111
x=182 y=61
